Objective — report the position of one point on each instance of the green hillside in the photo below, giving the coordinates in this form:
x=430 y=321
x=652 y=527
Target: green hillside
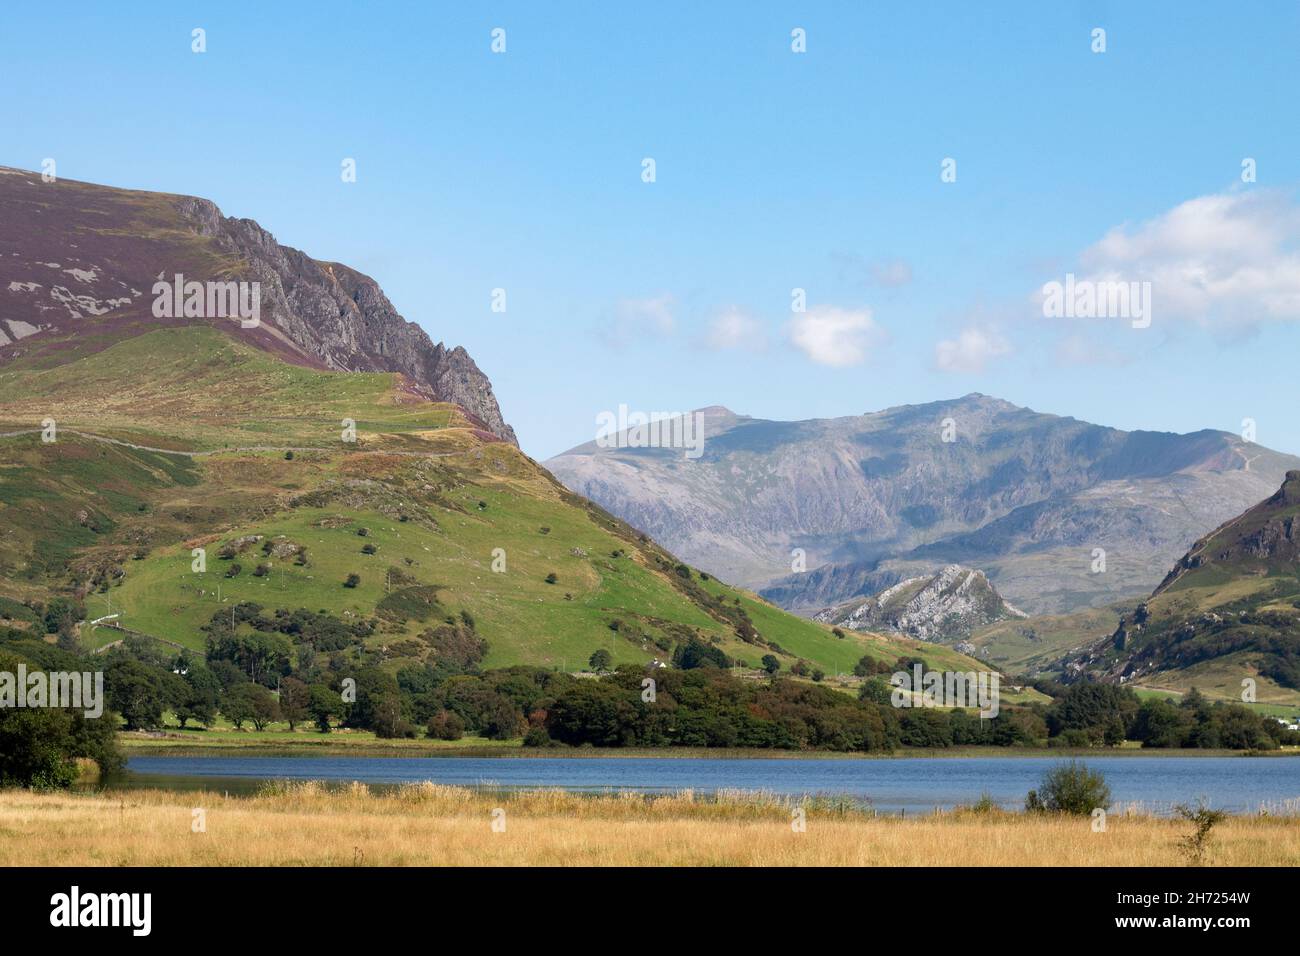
x=1228 y=612
x=416 y=508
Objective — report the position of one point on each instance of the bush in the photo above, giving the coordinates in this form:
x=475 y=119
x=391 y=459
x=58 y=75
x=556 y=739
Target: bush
x=1070 y=788
x=446 y=725
x=538 y=737
x=352 y=581
x=551 y=578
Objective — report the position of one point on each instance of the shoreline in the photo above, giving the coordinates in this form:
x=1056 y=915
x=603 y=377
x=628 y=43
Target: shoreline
x=374 y=749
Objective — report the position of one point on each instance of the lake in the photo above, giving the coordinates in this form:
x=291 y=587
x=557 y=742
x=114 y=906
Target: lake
x=1237 y=784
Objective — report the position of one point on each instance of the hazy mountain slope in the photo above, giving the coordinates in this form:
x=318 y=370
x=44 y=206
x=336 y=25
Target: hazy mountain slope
x=1229 y=610
x=188 y=438
x=881 y=497
x=78 y=263
x=946 y=606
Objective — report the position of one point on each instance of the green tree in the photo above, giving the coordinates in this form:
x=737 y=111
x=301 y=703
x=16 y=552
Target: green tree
x=237 y=705
x=445 y=725
x=600 y=661
x=134 y=690
x=770 y=663
x=325 y=705
x=875 y=690
x=39 y=746
x=199 y=699
x=295 y=701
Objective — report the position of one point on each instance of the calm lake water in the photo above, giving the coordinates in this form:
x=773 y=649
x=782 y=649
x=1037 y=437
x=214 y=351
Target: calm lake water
x=1237 y=784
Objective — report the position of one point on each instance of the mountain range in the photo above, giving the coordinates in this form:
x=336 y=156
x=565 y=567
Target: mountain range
x=1060 y=514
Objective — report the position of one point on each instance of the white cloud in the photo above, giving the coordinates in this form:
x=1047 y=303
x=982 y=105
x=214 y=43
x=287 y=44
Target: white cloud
x=1226 y=258
x=971 y=350
x=635 y=320
x=836 y=337
x=734 y=328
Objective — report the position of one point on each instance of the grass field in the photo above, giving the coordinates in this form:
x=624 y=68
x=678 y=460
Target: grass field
x=426 y=824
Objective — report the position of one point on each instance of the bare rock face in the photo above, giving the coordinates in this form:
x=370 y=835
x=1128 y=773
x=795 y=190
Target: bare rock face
x=945 y=606
x=78 y=262
x=343 y=318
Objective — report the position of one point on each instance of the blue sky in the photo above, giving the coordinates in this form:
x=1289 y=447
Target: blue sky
x=774 y=170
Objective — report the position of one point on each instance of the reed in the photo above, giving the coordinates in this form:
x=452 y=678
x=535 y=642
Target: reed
x=289 y=824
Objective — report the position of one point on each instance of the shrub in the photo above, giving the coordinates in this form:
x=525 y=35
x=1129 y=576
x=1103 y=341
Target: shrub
x=1070 y=788
x=446 y=725
x=552 y=578
x=538 y=737
x=1203 y=819
x=352 y=581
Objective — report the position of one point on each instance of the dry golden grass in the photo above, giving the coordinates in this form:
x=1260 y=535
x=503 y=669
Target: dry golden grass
x=425 y=824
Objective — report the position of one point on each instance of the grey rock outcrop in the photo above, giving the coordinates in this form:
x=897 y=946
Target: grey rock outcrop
x=945 y=606
x=343 y=318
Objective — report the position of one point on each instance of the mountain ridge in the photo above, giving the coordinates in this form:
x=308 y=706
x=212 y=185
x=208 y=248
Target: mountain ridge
x=56 y=303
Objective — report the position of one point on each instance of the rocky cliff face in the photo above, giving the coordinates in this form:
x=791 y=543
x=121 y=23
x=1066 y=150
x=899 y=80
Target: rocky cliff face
x=945 y=606
x=343 y=318
x=78 y=263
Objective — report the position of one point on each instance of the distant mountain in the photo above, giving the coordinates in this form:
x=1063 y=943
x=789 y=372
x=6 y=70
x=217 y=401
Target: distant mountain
x=78 y=263
x=1229 y=610
x=947 y=606
x=876 y=499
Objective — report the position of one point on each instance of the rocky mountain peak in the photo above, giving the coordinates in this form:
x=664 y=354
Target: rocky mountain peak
x=945 y=606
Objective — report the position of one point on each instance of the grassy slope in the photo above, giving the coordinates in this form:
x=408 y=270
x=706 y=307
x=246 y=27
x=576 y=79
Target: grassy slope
x=1033 y=645
x=111 y=509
